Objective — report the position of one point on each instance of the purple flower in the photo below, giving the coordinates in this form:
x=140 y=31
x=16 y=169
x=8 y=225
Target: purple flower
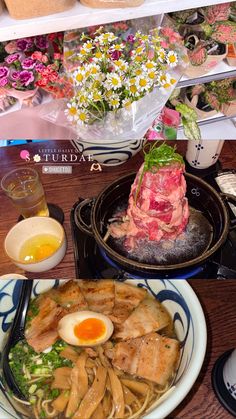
x=24 y=44
x=41 y=42
x=131 y=38
x=4 y=71
x=12 y=58
x=3 y=82
x=26 y=77
x=115 y=55
x=39 y=67
x=15 y=75
x=28 y=64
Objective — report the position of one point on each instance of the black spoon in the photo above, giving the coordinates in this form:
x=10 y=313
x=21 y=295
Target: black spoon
x=16 y=334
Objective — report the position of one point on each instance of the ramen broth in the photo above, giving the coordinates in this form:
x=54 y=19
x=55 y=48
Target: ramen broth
x=48 y=392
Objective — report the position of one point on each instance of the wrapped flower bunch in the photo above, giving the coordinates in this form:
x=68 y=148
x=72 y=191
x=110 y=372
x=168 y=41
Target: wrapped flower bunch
x=119 y=82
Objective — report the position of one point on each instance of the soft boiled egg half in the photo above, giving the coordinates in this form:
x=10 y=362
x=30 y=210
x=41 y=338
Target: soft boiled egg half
x=85 y=328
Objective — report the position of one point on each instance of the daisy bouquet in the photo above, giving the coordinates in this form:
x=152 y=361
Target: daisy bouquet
x=122 y=83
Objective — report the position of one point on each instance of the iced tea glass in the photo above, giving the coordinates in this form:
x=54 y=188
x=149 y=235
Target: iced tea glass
x=24 y=188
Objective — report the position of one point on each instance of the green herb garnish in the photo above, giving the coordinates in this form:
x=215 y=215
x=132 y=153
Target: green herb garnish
x=156 y=157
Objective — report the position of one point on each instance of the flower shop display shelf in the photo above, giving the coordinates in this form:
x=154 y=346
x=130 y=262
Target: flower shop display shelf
x=80 y=16
x=224 y=129
x=221 y=71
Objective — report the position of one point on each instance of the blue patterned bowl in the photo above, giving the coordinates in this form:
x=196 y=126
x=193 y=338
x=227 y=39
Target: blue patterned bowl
x=109 y=153
x=186 y=311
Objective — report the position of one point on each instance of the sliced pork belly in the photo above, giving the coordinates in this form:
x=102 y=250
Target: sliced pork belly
x=100 y=295
x=153 y=357
x=127 y=298
x=149 y=316
x=69 y=295
x=42 y=331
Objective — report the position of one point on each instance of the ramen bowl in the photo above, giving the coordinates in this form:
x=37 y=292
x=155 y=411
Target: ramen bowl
x=30 y=228
x=184 y=307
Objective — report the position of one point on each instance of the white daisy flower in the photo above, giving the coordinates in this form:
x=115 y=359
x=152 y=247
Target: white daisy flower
x=98 y=56
x=71 y=111
x=172 y=59
x=161 y=54
x=94 y=70
x=163 y=78
x=149 y=65
x=114 y=102
x=120 y=65
x=82 y=116
x=88 y=46
x=142 y=83
x=105 y=38
x=114 y=81
x=117 y=47
x=96 y=96
x=126 y=103
x=79 y=76
x=82 y=98
x=151 y=75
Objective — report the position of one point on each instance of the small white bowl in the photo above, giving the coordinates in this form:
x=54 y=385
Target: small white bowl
x=31 y=227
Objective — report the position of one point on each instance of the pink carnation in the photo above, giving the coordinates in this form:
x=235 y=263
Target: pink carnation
x=11 y=47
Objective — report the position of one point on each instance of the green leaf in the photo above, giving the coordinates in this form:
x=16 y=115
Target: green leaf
x=191 y=130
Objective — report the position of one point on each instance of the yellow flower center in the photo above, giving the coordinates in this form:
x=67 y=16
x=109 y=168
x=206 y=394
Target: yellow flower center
x=79 y=77
x=83 y=51
x=138 y=71
x=115 y=81
x=89 y=45
x=82 y=116
x=162 y=55
x=139 y=49
x=98 y=54
x=96 y=96
x=138 y=58
x=132 y=81
x=72 y=110
x=151 y=75
x=166 y=85
x=172 y=58
x=149 y=65
x=163 y=78
x=133 y=89
x=173 y=81
x=94 y=70
x=142 y=83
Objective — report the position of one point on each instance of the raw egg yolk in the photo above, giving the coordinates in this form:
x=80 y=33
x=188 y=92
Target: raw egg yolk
x=90 y=329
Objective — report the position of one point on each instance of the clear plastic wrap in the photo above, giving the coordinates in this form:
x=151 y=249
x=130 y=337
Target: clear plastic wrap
x=124 y=122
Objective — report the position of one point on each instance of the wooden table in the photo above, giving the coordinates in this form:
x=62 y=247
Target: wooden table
x=64 y=190
x=218 y=298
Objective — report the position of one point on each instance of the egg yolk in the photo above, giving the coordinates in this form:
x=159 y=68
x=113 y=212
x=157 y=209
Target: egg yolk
x=90 y=329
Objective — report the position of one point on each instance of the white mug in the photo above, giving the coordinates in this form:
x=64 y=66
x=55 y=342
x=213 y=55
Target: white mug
x=229 y=374
x=202 y=154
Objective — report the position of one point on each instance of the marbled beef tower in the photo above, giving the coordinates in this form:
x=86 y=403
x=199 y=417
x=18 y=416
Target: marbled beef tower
x=157 y=208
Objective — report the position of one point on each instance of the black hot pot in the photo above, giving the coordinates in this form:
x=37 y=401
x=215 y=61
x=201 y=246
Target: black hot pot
x=201 y=196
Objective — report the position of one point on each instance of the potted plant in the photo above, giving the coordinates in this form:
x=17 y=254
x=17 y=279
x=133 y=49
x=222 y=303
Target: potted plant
x=222 y=95
x=196 y=99
x=211 y=98
x=208 y=47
